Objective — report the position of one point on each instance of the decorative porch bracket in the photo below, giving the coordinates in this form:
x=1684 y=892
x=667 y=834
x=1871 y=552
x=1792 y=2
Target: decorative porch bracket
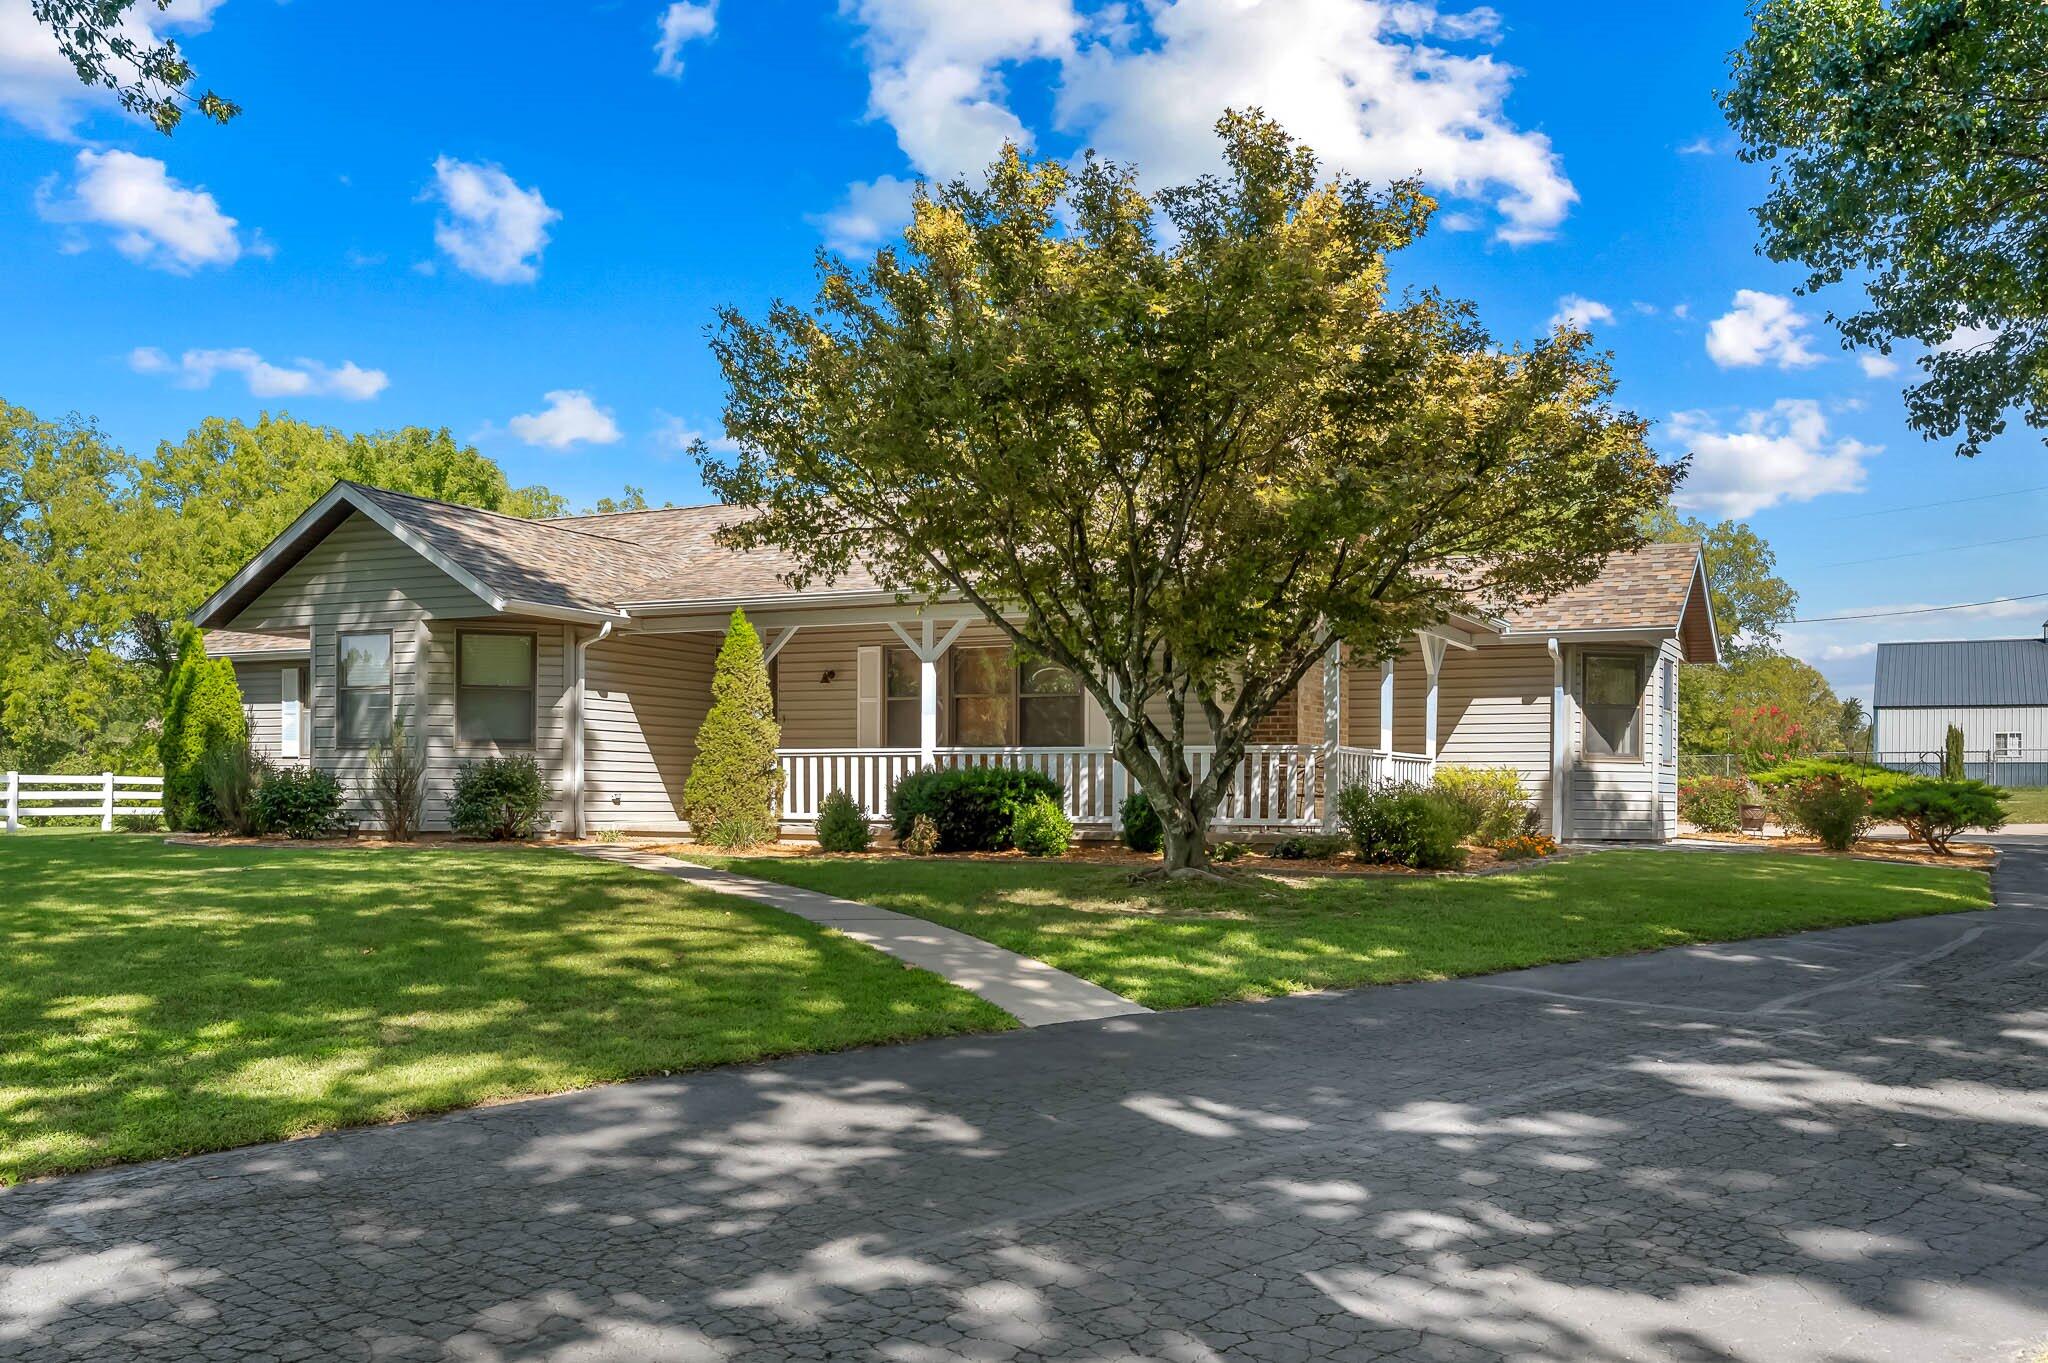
x=775 y=645
x=928 y=651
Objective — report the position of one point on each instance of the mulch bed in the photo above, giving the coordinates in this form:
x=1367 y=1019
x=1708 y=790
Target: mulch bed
x=1974 y=855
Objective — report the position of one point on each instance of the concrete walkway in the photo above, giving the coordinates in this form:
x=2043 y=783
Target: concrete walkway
x=1030 y=991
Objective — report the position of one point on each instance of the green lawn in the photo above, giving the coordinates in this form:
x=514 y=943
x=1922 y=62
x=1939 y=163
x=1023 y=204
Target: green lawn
x=159 y=1000
x=2027 y=804
x=1173 y=946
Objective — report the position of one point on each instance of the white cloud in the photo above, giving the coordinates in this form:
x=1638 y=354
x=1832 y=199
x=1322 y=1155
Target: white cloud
x=1877 y=366
x=493 y=227
x=1681 y=311
x=1376 y=88
x=1699 y=146
x=872 y=212
x=301 y=378
x=153 y=220
x=38 y=87
x=676 y=435
x=1784 y=454
x=570 y=418
x=1579 y=313
x=1763 y=328
x=1969 y=338
x=681 y=23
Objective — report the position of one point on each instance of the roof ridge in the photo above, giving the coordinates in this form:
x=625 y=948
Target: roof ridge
x=638 y=511
x=554 y=521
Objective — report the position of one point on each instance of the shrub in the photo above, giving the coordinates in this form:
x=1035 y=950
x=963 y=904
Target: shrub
x=500 y=797
x=1042 y=828
x=202 y=711
x=1935 y=811
x=1831 y=807
x=1523 y=846
x=1142 y=828
x=1307 y=847
x=973 y=808
x=398 y=784
x=1229 y=850
x=301 y=802
x=1874 y=779
x=922 y=839
x=734 y=777
x=1404 y=825
x=843 y=824
x=230 y=773
x=1489 y=800
x=1952 y=754
x=1713 y=803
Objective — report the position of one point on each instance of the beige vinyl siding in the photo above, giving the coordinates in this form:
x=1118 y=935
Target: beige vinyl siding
x=361 y=578
x=1411 y=686
x=1493 y=710
x=644 y=696
x=262 y=690
x=1614 y=800
x=553 y=707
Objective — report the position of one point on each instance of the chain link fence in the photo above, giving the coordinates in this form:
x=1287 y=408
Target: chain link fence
x=2012 y=767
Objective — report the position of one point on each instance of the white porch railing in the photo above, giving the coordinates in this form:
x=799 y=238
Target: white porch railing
x=103 y=794
x=1277 y=785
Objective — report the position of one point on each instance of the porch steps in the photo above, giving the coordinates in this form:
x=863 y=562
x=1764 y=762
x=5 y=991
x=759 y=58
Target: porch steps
x=1034 y=993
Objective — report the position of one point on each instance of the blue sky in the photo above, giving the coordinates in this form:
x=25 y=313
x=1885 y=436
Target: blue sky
x=516 y=222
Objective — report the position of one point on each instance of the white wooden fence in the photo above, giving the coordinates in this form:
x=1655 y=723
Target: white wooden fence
x=1277 y=785
x=104 y=795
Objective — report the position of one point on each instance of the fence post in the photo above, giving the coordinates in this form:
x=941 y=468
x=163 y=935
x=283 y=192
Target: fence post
x=107 y=805
x=13 y=800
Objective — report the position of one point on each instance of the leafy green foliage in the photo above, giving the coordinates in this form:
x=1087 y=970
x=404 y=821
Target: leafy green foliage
x=202 y=712
x=1833 y=808
x=1712 y=803
x=500 y=797
x=231 y=773
x=398 y=783
x=1139 y=823
x=301 y=802
x=1308 y=847
x=922 y=839
x=1041 y=828
x=843 y=824
x=1952 y=754
x=1934 y=812
x=1403 y=825
x=1905 y=144
x=1719 y=707
x=149 y=78
x=1194 y=419
x=1490 y=800
x=1874 y=779
x=1229 y=850
x=974 y=808
x=734 y=778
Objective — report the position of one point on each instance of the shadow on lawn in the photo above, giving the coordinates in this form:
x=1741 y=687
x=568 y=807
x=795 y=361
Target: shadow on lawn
x=1440 y=1172
x=164 y=999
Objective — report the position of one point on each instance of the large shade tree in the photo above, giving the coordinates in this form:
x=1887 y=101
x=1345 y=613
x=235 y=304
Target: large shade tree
x=1908 y=147
x=1175 y=442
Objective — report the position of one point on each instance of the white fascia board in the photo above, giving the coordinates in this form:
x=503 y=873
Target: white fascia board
x=574 y=614
x=262 y=655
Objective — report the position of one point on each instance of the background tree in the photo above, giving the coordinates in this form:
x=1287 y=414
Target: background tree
x=107 y=47
x=1709 y=696
x=1182 y=438
x=729 y=794
x=1907 y=141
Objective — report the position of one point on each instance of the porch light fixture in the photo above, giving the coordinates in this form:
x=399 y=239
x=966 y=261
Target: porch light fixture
x=831 y=674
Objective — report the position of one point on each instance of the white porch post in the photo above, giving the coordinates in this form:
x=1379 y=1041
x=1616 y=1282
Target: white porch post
x=1433 y=666
x=928 y=651
x=1387 y=706
x=1559 y=745
x=1333 y=727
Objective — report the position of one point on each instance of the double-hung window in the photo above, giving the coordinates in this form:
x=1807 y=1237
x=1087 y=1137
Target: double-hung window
x=984 y=698
x=1613 y=706
x=2007 y=745
x=902 y=675
x=363 y=688
x=1048 y=706
x=494 y=688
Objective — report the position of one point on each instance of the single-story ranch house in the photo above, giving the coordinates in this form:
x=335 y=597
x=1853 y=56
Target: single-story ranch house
x=588 y=641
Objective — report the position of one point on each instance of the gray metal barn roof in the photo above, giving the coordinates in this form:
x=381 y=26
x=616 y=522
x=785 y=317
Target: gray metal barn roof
x=1962 y=672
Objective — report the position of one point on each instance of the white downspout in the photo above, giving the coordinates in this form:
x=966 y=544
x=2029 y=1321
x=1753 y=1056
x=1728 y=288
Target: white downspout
x=579 y=819
x=1557 y=739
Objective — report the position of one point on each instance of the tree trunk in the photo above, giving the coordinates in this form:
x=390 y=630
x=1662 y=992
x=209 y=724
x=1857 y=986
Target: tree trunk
x=1183 y=848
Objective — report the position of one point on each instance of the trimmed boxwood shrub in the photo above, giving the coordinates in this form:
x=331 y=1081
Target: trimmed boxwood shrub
x=843 y=824
x=1935 y=811
x=1712 y=803
x=974 y=808
x=1143 y=829
x=1403 y=825
x=1489 y=800
x=301 y=802
x=1042 y=828
x=500 y=797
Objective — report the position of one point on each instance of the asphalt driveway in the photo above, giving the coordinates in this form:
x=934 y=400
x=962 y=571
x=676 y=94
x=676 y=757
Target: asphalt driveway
x=1830 y=1148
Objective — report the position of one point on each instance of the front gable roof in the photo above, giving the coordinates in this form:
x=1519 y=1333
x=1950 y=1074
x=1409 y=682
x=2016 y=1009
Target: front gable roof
x=1659 y=588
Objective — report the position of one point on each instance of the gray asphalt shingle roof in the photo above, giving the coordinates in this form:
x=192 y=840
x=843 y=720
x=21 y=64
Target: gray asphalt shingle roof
x=1962 y=672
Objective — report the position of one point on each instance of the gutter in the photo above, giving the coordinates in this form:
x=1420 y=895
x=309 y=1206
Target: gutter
x=581 y=651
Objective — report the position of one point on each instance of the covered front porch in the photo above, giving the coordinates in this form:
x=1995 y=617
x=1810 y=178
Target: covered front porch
x=866 y=696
